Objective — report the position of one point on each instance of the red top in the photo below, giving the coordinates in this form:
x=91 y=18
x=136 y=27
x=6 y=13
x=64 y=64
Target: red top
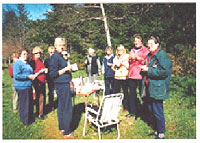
x=134 y=65
x=147 y=64
x=10 y=71
x=38 y=66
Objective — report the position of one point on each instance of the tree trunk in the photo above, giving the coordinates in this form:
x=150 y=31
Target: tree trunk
x=106 y=25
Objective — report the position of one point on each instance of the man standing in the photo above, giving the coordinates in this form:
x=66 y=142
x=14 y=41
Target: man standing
x=60 y=73
x=93 y=65
x=137 y=56
x=50 y=83
x=155 y=86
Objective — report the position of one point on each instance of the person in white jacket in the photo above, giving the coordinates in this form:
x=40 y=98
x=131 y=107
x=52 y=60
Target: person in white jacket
x=121 y=68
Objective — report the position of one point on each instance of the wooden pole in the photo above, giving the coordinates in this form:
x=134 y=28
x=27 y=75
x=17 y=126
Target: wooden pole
x=106 y=25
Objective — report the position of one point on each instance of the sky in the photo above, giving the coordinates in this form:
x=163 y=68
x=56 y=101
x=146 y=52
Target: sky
x=36 y=11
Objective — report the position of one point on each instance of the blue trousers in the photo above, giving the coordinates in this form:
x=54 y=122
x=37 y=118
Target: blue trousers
x=25 y=105
x=155 y=108
x=133 y=84
x=51 y=92
x=64 y=106
x=109 y=85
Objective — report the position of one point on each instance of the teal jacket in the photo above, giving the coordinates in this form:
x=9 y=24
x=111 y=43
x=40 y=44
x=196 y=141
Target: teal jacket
x=159 y=75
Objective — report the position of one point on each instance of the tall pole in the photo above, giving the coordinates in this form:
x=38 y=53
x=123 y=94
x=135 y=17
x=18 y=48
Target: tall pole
x=106 y=25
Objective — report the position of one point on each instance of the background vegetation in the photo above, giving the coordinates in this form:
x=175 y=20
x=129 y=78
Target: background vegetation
x=82 y=26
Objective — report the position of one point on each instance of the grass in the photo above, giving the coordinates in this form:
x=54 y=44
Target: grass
x=179 y=109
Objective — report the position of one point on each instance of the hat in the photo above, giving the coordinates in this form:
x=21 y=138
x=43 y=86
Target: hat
x=60 y=40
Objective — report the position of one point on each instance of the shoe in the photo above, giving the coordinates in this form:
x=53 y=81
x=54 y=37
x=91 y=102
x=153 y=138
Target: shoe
x=41 y=117
x=130 y=115
x=159 y=137
x=70 y=136
x=153 y=134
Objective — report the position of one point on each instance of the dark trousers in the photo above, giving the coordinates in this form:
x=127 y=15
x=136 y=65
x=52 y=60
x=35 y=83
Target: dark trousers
x=25 y=105
x=109 y=85
x=133 y=85
x=118 y=84
x=40 y=97
x=51 y=92
x=156 y=112
x=64 y=106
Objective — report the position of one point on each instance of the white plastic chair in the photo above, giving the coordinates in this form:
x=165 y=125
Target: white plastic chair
x=106 y=114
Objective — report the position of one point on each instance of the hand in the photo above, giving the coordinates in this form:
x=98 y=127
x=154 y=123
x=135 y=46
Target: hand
x=68 y=68
x=109 y=64
x=137 y=57
x=144 y=68
x=32 y=76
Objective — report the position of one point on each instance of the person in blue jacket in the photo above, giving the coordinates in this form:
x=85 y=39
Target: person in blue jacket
x=155 y=85
x=108 y=71
x=23 y=76
x=60 y=73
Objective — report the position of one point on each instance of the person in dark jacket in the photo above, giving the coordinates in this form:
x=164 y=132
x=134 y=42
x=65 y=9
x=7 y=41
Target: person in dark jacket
x=23 y=76
x=108 y=71
x=155 y=85
x=93 y=65
x=60 y=73
x=50 y=82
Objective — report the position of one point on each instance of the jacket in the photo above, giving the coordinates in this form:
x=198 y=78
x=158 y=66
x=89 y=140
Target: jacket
x=107 y=70
x=93 y=65
x=159 y=75
x=57 y=63
x=121 y=72
x=134 y=65
x=21 y=71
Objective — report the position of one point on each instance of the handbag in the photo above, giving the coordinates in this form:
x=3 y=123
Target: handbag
x=72 y=89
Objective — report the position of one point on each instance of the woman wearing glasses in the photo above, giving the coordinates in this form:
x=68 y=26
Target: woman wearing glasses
x=39 y=82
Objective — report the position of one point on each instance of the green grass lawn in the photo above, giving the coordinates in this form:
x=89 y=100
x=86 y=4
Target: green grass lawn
x=179 y=109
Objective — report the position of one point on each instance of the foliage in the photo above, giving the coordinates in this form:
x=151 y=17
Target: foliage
x=83 y=28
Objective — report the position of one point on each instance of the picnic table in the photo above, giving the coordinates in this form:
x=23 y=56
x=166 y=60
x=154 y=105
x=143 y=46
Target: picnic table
x=87 y=89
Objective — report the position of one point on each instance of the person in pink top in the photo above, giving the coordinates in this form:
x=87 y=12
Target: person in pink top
x=137 y=56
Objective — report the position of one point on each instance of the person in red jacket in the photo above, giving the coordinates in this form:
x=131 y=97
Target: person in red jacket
x=15 y=95
x=137 y=56
x=39 y=82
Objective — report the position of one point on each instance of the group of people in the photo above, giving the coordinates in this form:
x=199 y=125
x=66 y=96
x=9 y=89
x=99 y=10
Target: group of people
x=146 y=68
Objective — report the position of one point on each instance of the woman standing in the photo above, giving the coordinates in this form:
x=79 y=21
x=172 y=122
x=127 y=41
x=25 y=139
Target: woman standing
x=121 y=66
x=39 y=82
x=23 y=76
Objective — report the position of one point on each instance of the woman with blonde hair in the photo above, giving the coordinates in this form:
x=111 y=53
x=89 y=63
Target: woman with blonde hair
x=121 y=66
x=39 y=82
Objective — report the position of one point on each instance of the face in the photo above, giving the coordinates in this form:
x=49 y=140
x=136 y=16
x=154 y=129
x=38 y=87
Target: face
x=14 y=59
x=137 y=42
x=37 y=54
x=120 y=51
x=108 y=52
x=24 y=55
x=152 y=46
x=60 y=46
x=51 y=51
x=65 y=56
